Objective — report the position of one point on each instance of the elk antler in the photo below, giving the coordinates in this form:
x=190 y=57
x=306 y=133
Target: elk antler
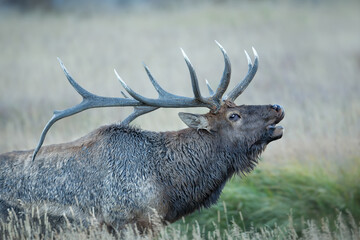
x=143 y=105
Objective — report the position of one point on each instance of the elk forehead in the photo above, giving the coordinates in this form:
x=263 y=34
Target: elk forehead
x=220 y=119
x=226 y=108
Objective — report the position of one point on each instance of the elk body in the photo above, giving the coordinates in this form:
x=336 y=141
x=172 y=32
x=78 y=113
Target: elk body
x=118 y=174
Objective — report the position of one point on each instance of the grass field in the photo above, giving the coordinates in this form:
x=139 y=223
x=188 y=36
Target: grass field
x=309 y=63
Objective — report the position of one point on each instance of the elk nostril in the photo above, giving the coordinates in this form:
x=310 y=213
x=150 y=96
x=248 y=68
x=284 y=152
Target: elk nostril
x=276 y=107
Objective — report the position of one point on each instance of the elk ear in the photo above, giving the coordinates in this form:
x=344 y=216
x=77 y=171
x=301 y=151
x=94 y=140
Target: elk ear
x=195 y=121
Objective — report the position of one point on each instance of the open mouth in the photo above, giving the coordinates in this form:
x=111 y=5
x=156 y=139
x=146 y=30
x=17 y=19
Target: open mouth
x=274 y=131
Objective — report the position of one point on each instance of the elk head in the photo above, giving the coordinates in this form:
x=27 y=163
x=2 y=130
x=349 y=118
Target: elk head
x=240 y=125
x=224 y=115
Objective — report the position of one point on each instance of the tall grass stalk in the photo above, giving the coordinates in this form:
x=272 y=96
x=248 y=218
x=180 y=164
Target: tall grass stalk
x=17 y=229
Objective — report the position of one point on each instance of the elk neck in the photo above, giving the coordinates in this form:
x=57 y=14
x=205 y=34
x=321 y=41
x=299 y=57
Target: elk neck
x=194 y=165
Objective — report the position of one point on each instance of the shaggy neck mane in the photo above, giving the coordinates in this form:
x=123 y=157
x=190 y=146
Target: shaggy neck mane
x=196 y=166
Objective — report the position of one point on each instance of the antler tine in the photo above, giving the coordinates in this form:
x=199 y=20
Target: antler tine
x=156 y=85
x=248 y=78
x=84 y=93
x=194 y=81
x=211 y=91
x=124 y=95
x=225 y=80
x=137 y=96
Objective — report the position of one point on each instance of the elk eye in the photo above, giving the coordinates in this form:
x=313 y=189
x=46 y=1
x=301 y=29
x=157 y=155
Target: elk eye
x=234 y=117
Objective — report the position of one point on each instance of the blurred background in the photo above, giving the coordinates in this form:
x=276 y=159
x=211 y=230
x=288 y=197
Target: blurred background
x=309 y=63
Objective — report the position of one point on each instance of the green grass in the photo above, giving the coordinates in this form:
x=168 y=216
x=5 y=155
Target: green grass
x=268 y=197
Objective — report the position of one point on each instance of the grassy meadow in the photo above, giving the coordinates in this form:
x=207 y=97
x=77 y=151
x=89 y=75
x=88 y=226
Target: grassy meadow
x=307 y=183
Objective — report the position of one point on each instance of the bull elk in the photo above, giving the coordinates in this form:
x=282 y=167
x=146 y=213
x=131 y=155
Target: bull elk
x=119 y=174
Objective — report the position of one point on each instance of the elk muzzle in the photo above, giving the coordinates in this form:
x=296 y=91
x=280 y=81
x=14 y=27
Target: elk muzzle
x=275 y=132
